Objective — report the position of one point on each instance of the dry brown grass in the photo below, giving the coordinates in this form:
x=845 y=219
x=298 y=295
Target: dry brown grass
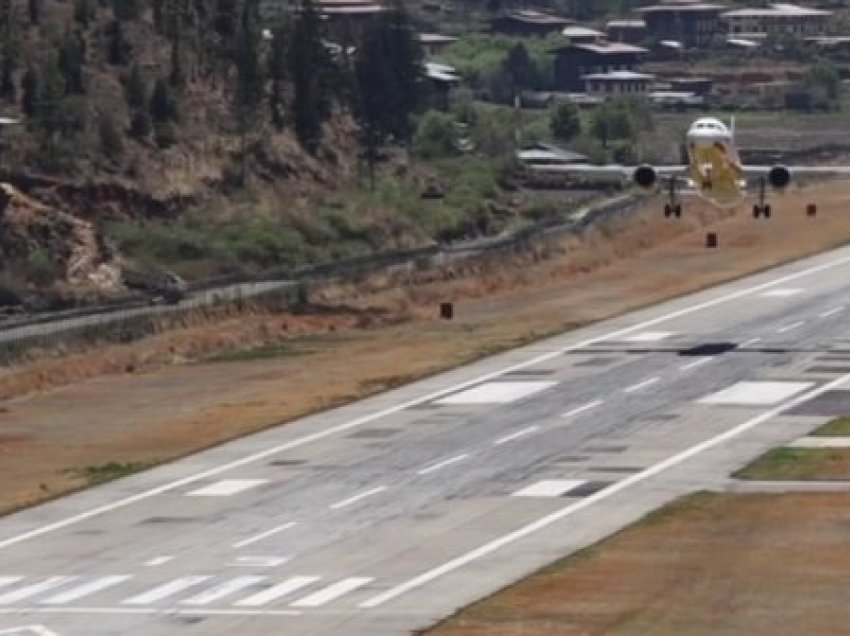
x=88 y=409
x=709 y=564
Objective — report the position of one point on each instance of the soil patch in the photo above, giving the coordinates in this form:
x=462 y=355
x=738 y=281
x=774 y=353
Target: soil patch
x=706 y=564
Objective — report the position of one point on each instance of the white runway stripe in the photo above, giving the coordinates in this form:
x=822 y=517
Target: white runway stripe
x=264 y=535
x=332 y=592
x=6 y=581
x=356 y=498
x=446 y=462
x=164 y=591
x=86 y=589
x=36 y=588
x=277 y=591
x=222 y=590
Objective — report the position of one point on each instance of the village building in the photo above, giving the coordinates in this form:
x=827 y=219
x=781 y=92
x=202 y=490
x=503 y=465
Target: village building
x=693 y=24
x=575 y=61
x=577 y=34
x=434 y=43
x=617 y=83
x=628 y=31
x=780 y=19
x=525 y=23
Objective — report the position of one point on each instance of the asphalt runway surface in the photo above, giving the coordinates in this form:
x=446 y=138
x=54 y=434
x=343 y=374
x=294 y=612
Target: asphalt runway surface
x=386 y=515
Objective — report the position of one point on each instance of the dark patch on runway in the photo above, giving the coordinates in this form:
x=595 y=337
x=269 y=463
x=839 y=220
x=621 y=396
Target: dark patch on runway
x=157 y=520
x=605 y=449
x=374 y=433
x=831 y=403
x=828 y=369
x=574 y=458
x=587 y=489
x=614 y=469
x=287 y=462
x=529 y=372
x=595 y=362
x=661 y=417
x=709 y=349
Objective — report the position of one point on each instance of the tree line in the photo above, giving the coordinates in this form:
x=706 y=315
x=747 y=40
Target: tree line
x=279 y=73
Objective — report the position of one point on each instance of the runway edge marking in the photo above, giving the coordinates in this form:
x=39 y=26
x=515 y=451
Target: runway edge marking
x=328 y=432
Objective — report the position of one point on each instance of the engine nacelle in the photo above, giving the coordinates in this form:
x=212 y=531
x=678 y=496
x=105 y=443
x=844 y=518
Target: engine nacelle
x=645 y=176
x=779 y=177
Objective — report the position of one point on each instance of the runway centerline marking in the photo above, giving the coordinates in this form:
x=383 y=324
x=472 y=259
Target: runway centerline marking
x=160 y=560
x=582 y=409
x=359 y=497
x=528 y=430
x=750 y=342
x=347 y=426
x=543 y=522
x=265 y=535
x=831 y=312
x=791 y=327
x=695 y=364
x=642 y=385
x=446 y=462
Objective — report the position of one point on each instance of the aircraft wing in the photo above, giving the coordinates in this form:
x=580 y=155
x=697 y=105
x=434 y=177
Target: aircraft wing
x=608 y=171
x=815 y=171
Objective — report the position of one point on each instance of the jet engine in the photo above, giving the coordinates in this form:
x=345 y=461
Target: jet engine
x=779 y=177
x=645 y=176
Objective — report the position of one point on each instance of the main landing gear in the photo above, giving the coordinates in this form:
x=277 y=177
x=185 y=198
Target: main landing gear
x=761 y=208
x=673 y=208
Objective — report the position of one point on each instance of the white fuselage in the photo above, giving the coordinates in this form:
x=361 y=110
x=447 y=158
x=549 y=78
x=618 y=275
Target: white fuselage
x=713 y=161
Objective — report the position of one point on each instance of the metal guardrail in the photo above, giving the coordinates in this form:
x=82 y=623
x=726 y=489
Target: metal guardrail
x=126 y=318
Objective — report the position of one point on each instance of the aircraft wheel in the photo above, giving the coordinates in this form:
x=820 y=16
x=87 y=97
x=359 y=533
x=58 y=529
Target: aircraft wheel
x=677 y=210
x=756 y=211
x=667 y=210
x=767 y=211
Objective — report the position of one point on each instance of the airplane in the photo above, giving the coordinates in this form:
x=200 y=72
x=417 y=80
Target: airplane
x=714 y=170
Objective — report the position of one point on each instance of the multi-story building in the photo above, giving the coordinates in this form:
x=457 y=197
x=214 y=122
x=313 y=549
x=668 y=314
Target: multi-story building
x=694 y=24
x=780 y=19
x=576 y=61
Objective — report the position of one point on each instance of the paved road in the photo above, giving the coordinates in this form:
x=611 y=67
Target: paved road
x=385 y=515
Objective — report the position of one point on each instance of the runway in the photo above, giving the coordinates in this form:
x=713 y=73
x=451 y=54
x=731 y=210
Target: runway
x=386 y=515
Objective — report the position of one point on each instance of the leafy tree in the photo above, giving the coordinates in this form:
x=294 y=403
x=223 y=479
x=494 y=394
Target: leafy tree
x=520 y=69
x=405 y=62
x=49 y=103
x=140 y=124
x=435 y=135
x=82 y=12
x=7 y=80
x=165 y=134
x=565 y=122
x=611 y=121
x=823 y=80
x=309 y=66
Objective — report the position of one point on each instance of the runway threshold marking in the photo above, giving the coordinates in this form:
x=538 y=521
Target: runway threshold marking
x=543 y=522
x=145 y=611
x=347 y=426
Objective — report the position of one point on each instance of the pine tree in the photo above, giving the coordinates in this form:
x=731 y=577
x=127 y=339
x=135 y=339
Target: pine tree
x=34 y=9
x=71 y=58
x=135 y=89
x=118 y=52
x=309 y=66
x=140 y=125
x=163 y=106
x=7 y=80
x=248 y=95
x=405 y=58
x=125 y=10
x=49 y=103
x=29 y=92
x=111 y=142
x=277 y=73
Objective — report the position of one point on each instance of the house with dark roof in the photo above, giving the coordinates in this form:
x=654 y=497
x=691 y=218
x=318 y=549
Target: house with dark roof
x=694 y=24
x=574 y=62
x=778 y=19
x=529 y=22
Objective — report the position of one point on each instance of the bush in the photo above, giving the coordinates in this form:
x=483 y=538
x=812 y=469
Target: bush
x=435 y=135
x=565 y=122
